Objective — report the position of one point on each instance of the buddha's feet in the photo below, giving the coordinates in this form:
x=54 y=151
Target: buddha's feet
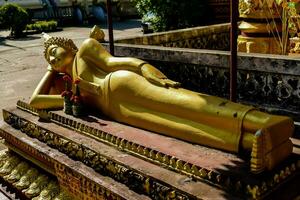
x=271 y=145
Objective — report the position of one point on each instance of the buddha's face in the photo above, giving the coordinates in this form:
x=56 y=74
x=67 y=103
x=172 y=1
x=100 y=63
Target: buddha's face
x=59 y=58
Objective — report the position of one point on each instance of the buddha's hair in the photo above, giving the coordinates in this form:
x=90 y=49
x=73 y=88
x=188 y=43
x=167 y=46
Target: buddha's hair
x=65 y=43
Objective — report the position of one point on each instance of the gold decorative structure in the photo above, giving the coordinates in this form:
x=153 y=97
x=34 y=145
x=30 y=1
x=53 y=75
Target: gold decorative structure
x=294 y=28
x=261 y=27
x=134 y=92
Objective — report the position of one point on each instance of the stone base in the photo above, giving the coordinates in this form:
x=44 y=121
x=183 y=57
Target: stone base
x=266 y=45
x=168 y=169
x=71 y=177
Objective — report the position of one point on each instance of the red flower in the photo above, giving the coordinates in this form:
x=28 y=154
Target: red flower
x=75 y=99
x=76 y=81
x=66 y=93
x=67 y=78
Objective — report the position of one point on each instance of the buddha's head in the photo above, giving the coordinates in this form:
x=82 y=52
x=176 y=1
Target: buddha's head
x=59 y=52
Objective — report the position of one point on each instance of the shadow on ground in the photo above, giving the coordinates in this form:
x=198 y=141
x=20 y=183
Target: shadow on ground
x=25 y=38
x=4 y=41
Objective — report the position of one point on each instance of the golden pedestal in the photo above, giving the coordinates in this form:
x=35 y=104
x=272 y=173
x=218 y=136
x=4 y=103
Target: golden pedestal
x=295 y=47
x=267 y=45
x=261 y=27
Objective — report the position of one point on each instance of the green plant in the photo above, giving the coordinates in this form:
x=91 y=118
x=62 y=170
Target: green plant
x=173 y=14
x=289 y=24
x=41 y=26
x=13 y=17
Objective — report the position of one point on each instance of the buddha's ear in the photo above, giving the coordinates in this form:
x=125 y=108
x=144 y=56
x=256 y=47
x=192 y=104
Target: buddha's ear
x=46 y=36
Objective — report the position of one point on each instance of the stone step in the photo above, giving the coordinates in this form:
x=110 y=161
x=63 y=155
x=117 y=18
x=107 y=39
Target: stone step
x=75 y=177
x=109 y=148
x=139 y=175
x=6 y=193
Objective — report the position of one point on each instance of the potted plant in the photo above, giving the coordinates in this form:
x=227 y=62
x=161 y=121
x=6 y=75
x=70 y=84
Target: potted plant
x=77 y=106
x=67 y=94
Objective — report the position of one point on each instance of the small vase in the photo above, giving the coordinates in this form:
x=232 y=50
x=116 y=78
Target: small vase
x=77 y=110
x=68 y=106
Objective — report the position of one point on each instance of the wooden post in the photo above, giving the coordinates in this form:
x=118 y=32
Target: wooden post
x=110 y=27
x=233 y=49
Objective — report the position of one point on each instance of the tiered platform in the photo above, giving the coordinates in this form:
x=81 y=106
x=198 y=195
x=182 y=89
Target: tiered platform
x=95 y=158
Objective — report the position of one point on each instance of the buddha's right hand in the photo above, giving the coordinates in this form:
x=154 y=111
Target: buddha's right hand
x=156 y=77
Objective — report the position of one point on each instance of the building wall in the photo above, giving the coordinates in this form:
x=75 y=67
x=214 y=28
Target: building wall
x=204 y=37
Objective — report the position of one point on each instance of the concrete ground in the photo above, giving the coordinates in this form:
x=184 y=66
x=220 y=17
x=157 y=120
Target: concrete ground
x=22 y=63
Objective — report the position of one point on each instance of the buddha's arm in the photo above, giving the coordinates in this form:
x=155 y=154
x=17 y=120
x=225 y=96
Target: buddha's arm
x=148 y=71
x=93 y=52
x=143 y=68
x=41 y=99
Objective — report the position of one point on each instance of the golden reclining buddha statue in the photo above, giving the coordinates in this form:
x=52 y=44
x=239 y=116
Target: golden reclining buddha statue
x=133 y=92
